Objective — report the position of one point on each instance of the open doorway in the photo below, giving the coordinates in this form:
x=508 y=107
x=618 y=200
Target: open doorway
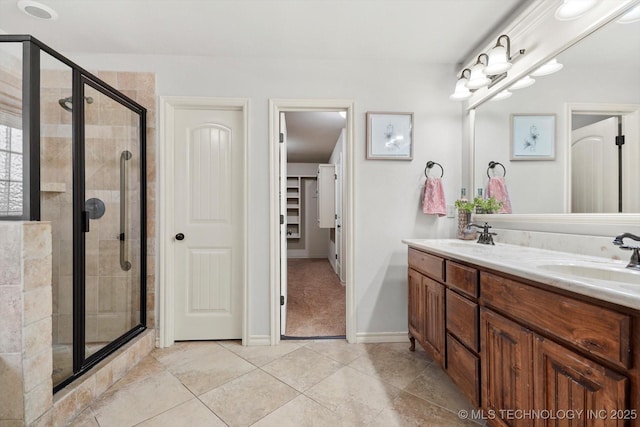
x=312 y=205
x=315 y=297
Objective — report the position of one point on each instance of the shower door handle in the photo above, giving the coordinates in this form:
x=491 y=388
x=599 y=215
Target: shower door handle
x=124 y=156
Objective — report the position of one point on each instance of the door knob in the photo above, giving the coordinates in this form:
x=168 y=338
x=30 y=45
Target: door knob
x=179 y=236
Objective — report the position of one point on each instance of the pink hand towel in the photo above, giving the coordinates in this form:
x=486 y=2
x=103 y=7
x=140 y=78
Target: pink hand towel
x=433 y=201
x=497 y=188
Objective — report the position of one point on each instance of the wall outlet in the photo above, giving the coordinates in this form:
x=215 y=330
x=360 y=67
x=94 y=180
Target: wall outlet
x=451 y=211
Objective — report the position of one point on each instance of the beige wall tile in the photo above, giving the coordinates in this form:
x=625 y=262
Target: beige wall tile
x=38 y=304
x=11 y=392
x=64 y=408
x=37 y=337
x=104 y=379
x=127 y=80
x=37 y=402
x=85 y=393
x=37 y=240
x=37 y=370
x=37 y=272
x=46 y=420
x=10 y=253
x=11 y=423
x=11 y=325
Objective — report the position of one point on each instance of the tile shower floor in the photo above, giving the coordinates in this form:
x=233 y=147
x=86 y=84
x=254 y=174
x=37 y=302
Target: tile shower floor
x=297 y=383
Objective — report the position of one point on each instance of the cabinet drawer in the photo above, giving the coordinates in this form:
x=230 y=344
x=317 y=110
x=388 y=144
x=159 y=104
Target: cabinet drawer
x=463 y=278
x=598 y=330
x=464 y=369
x=427 y=264
x=462 y=319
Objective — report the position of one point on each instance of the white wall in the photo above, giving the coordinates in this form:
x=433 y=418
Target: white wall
x=387 y=193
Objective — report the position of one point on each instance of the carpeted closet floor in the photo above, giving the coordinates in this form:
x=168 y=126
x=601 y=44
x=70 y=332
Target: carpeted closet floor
x=316 y=299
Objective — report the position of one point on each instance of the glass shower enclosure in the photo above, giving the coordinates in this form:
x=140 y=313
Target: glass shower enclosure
x=72 y=152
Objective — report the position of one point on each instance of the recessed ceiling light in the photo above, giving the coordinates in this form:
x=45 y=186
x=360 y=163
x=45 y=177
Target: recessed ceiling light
x=37 y=10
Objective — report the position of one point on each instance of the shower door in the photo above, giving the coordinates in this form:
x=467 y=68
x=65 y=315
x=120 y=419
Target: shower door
x=110 y=221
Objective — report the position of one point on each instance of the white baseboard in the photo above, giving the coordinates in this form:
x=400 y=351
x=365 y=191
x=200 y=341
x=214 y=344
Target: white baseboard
x=254 y=340
x=377 y=337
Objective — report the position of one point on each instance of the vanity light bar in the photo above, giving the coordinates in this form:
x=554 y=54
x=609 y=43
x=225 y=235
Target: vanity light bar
x=488 y=69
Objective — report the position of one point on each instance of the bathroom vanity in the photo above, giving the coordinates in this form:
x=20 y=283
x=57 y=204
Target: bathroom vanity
x=520 y=329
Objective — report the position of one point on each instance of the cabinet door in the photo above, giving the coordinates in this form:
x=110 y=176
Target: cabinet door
x=506 y=353
x=434 y=323
x=416 y=306
x=326 y=196
x=564 y=380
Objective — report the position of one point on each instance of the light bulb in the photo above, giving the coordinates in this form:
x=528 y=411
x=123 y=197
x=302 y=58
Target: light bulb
x=548 y=68
x=477 y=79
x=522 y=83
x=498 y=62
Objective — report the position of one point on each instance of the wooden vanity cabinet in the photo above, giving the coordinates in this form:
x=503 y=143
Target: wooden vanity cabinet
x=426 y=303
x=511 y=344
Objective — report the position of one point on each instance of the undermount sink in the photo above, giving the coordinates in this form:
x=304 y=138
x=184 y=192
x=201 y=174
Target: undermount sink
x=596 y=272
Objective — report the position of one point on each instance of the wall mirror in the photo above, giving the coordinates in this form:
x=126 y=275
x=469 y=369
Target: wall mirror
x=597 y=91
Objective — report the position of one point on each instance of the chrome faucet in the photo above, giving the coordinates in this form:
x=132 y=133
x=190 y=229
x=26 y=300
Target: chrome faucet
x=634 y=262
x=486 y=238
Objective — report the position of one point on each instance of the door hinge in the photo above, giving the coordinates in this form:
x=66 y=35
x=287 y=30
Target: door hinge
x=336 y=256
x=335 y=176
x=336 y=215
x=281 y=299
x=620 y=140
x=281 y=219
x=281 y=137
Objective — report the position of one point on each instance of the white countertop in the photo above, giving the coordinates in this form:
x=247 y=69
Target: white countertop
x=526 y=262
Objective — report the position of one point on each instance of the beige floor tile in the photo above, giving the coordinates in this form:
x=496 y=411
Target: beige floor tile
x=192 y=413
x=247 y=399
x=302 y=368
x=148 y=367
x=260 y=355
x=354 y=396
x=185 y=352
x=300 y=412
x=397 y=367
x=434 y=385
x=340 y=350
x=410 y=411
x=207 y=368
x=139 y=401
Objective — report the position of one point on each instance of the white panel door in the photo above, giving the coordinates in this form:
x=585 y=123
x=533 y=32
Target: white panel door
x=594 y=168
x=208 y=178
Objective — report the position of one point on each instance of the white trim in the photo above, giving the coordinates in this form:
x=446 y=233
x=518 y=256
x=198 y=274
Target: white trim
x=275 y=107
x=255 y=340
x=168 y=105
x=377 y=337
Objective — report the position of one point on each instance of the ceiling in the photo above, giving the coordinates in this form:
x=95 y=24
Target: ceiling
x=311 y=136
x=430 y=31
x=422 y=31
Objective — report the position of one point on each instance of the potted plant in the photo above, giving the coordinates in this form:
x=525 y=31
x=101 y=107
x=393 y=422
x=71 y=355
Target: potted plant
x=487 y=206
x=465 y=208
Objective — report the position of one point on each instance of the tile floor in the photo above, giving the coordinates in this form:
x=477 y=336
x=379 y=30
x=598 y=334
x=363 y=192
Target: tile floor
x=297 y=383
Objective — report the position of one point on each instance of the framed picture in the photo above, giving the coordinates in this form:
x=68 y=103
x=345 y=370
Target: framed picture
x=533 y=136
x=389 y=136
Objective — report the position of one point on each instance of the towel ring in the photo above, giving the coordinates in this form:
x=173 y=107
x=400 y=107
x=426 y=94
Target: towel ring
x=492 y=165
x=431 y=164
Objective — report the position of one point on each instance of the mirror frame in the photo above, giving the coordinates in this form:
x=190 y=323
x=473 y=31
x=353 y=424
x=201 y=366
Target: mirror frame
x=568 y=223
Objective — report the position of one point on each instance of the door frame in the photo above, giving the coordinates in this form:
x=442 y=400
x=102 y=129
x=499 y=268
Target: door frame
x=166 y=192
x=276 y=106
x=591 y=108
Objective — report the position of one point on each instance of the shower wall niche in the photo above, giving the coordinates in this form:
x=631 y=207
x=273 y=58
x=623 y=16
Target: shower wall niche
x=72 y=152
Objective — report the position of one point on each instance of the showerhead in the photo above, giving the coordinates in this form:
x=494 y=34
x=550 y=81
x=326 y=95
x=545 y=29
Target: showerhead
x=67 y=102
